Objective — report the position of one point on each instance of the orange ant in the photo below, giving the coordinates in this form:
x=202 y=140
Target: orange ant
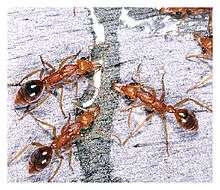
x=206 y=44
x=147 y=95
x=42 y=156
x=31 y=92
x=185 y=12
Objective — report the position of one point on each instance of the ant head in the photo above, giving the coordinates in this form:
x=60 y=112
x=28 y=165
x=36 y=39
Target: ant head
x=186 y=119
x=29 y=93
x=39 y=159
x=164 y=10
x=89 y=116
x=204 y=50
x=128 y=90
x=95 y=111
x=197 y=36
x=86 y=66
x=177 y=12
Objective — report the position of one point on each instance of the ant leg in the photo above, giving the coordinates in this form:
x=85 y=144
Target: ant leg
x=198 y=56
x=61 y=103
x=66 y=125
x=41 y=74
x=70 y=153
x=57 y=169
x=76 y=95
x=180 y=23
x=37 y=105
x=77 y=89
x=210 y=24
x=74 y=11
x=73 y=57
x=137 y=73
x=27 y=76
x=75 y=103
x=130 y=112
x=181 y=102
x=100 y=132
x=53 y=128
x=163 y=89
x=45 y=63
x=143 y=85
x=188 y=57
x=201 y=83
x=132 y=106
x=130 y=109
x=163 y=117
x=138 y=128
x=20 y=152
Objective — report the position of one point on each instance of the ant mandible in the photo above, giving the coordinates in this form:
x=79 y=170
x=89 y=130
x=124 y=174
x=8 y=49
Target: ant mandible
x=31 y=92
x=147 y=96
x=185 y=12
x=42 y=156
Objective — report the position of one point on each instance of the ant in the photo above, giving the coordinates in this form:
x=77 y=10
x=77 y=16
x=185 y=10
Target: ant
x=31 y=92
x=185 y=12
x=206 y=44
x=42 y=156
x=147 y=96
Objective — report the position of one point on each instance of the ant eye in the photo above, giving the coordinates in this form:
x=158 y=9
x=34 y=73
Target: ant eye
x=178 y=13
x=83 y=58
x=33 y=89
x=203 y=50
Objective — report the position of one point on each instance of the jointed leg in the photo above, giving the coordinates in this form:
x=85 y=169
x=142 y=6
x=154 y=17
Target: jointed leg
x=143 y=85
x=137 y=73
x=57 y=169
x=138 y=128
x=45 y=63
x=201 y=83
x=130 y=109
x=61 y=103
x=63 y=61
x=163 y=89
x=103 y=135
x=198 y=56
x=210 y=24
x=41 y=74
x=163 y=117
x=70 y=153
x=20 y=152
x=181 y=102
x=53 y=128
x=37 y=105
x=77 y=89
x=25 y=77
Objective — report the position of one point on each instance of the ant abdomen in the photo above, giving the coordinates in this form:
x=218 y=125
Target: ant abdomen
x=29 y=92
x=187 y=119
x=40 y=158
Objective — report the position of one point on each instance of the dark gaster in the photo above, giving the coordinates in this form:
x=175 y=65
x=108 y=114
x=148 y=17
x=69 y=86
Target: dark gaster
x=187 y=119
x=40 y=158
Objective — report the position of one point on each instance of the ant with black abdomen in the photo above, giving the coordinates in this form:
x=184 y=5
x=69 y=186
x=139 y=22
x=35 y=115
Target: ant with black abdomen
x=185 y=12
x=147 y=97
x=42 y=156
x=31 y=92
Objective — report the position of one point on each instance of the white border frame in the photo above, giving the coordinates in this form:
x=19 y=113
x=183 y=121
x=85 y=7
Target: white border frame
x=5 y=5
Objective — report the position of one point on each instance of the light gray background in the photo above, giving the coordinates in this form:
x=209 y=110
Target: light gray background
x=153 y=42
